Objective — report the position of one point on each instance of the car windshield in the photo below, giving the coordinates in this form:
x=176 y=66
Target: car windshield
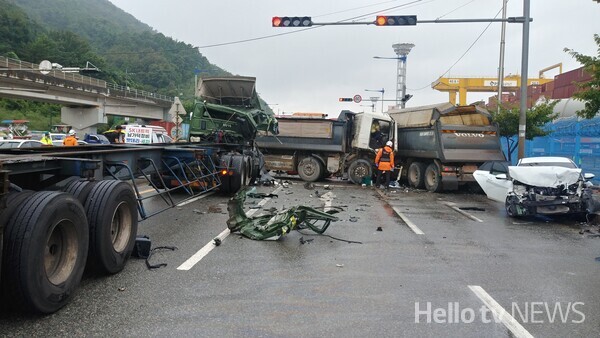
x=6 y=145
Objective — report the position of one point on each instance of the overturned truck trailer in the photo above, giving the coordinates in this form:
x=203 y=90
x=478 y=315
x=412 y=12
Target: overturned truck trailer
x=441 y=145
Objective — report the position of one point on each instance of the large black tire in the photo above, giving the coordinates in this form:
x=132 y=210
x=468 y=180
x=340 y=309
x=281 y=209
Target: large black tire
x=310 y=169
x=46 y=242
x=359 y=169
x=111 y=211
x=13 y=201
x=239 y=178
x=80 y=189
x=416 y=175
x=433 y=178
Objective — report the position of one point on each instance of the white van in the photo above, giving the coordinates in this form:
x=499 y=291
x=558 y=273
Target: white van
x=145 y=134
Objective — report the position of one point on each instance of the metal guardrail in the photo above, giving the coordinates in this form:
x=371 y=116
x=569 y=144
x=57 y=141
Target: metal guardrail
x=30 y=71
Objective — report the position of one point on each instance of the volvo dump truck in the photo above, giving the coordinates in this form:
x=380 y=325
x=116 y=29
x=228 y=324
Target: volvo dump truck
x=441 y=145
x=317 y=147
x=66 y=209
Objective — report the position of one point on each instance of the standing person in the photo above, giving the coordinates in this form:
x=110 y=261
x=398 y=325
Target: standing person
x=46 y=140
x=70 y=140
x=119 y=137
x=385 y=163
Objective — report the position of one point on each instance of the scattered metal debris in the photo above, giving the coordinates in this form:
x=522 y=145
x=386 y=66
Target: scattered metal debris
x=261 y=195
x=309 y=185
x=472 y=208
x=379 y=229
x=339 y=265
x=353 y=219
x=304 y=241
x=275 y=224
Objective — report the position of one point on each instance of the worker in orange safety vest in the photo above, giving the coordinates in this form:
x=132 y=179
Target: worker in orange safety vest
x=70 y=140
x=385 y=163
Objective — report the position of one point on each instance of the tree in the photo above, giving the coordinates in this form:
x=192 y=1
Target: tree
x=590 y=91
x=537 y=118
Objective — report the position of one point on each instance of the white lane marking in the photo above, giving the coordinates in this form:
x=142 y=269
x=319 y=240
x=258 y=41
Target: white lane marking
x=328 y=200
x=197 y=257
x=457 y=209
x=202 y=252
x=498 y=311
x=408 y=222
x=145 y=191
x=195 y=199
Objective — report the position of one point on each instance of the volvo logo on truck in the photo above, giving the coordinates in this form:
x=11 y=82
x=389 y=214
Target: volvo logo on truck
x=469 y=134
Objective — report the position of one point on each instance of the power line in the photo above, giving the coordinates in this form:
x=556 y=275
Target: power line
x=454 y=10
x=465 y=53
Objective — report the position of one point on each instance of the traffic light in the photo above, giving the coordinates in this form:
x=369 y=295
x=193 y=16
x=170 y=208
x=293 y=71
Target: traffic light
x=396 y=20
x=345 y=99
x=291 y=21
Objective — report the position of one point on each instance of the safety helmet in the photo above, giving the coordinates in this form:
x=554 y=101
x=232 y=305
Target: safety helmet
x=389 y=143
x=72 y=132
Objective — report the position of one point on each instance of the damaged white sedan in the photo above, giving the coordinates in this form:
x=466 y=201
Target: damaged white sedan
x=539 y=185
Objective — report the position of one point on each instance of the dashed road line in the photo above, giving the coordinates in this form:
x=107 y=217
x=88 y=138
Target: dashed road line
x=464 y=213
x=408 y=222
x=206 y=249
x=498 y=311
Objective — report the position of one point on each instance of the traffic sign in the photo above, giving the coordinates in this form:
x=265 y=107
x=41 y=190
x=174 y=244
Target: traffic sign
x=357 y=98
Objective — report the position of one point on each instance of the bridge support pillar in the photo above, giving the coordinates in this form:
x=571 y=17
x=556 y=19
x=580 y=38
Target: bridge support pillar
x=83 y=119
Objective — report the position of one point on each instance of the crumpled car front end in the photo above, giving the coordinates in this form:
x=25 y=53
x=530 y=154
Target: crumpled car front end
x=546 y=191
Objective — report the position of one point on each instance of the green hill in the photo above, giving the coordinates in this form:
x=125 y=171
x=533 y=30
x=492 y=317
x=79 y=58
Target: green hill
x=73 y=32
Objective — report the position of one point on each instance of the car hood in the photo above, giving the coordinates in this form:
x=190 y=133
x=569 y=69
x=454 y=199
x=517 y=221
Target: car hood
x=545 y=176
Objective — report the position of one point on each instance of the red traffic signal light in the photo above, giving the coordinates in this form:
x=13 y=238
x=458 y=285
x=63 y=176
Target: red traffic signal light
x=345 y=99
x=396 y=20
x=291 y=21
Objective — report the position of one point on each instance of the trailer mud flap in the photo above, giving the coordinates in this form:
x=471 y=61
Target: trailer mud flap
x=449 y=181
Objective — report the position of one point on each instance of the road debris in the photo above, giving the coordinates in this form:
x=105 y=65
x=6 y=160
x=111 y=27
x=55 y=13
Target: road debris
x=277 y=223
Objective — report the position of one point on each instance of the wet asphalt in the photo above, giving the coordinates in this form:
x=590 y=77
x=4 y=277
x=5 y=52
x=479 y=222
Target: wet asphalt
x=393 y=283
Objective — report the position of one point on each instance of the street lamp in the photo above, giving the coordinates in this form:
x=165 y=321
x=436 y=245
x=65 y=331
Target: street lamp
x=401 y=50
x=382 y=91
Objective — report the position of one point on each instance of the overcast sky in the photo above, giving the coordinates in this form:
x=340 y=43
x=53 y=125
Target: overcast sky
x=308 y=71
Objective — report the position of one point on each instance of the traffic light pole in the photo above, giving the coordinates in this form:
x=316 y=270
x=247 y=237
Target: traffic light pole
x=518 y=19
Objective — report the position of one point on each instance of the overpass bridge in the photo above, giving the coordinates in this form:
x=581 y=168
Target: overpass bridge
x=86 y=101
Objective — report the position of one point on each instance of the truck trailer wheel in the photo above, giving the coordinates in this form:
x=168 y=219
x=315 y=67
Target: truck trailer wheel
x=46 y=247
x=111 y=211
x=80 y=189
x=433 y=178
x=310 y=169
x=416 y=175
x=358 y=170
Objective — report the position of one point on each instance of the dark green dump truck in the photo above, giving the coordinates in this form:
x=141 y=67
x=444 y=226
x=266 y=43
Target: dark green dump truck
x=441 y=145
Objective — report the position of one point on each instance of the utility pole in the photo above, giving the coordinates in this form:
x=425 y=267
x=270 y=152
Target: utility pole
x=501 y=66
x=524 y=69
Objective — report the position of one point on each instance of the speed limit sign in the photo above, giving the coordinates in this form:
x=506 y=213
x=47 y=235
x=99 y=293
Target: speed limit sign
x=357 y=98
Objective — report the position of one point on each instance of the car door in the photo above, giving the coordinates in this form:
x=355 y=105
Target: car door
x=494 y=181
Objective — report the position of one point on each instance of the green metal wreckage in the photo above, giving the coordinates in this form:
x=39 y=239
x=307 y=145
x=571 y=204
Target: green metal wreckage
x=275 y=224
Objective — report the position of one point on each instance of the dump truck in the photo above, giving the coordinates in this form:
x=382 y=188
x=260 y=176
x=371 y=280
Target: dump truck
x=318 y=147
x=229 y=114
x=441 y=145
x=66 y=209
